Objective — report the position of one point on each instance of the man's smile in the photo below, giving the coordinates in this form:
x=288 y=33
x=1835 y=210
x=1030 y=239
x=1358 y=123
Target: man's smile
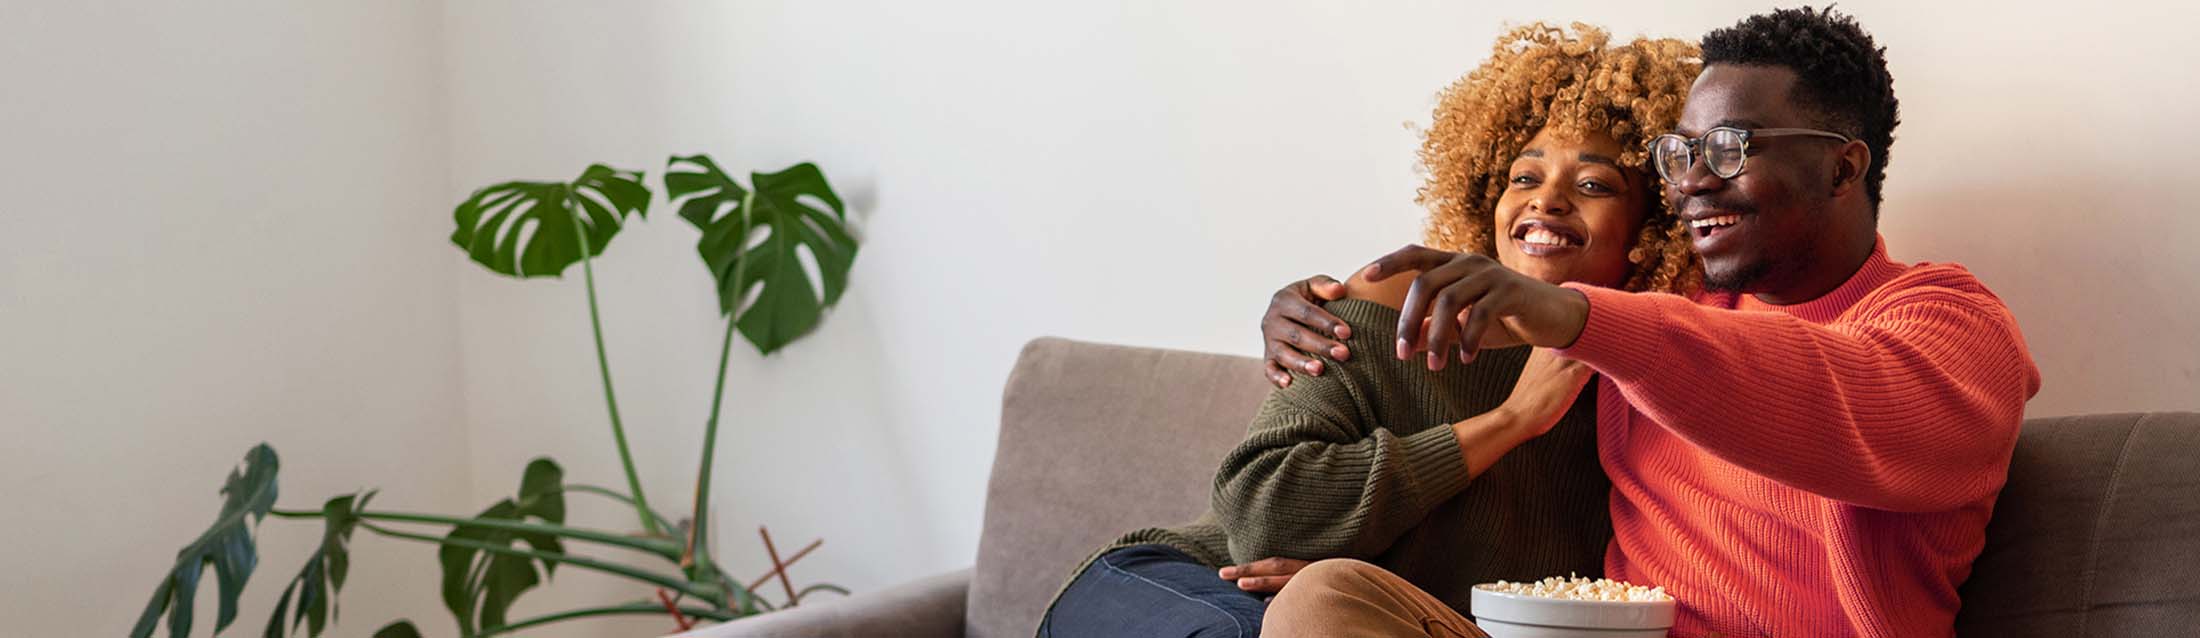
x=1712 y=230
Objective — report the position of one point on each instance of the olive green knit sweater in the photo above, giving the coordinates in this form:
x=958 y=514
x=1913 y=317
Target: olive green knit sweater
x=1360 y=463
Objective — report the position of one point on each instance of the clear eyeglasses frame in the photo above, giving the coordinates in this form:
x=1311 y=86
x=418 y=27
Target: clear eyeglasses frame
x=1724 y=149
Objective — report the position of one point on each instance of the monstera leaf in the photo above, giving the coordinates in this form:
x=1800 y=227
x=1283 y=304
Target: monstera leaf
x=536 y=229
x=322 y=578
x=479 y=587
x=741 y=260
x=249 y=494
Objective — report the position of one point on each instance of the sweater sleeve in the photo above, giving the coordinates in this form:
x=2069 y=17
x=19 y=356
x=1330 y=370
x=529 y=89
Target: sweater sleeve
x=1913 y=404
x=1315 y=479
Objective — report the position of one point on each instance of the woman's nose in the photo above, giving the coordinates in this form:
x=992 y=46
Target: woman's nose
x=1551 y=202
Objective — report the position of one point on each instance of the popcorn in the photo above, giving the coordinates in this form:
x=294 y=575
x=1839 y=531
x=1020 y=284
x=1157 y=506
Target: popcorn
x=1574 y=587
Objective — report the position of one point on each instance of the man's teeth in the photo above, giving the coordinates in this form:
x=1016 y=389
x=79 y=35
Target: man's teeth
x=1710 y=222
x=1541 y=236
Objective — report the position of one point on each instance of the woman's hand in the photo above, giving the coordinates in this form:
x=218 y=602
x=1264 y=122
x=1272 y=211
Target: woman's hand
x=1297 y=326
x=1266 y=575
x=1548 y=387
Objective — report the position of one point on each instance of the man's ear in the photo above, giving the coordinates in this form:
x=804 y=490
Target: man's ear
x=1849 y=167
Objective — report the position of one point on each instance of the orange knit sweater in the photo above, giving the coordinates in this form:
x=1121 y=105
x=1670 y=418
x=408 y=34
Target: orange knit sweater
x=1820 y=469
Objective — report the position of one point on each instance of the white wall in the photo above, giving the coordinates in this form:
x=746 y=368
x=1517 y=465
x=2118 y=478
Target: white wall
x=225 y=224
x=1148 y=172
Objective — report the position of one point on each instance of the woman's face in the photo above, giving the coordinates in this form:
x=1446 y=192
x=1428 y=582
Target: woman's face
x=1570 y=212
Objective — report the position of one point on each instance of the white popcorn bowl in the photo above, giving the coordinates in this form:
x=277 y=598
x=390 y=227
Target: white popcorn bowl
x=1505 y=615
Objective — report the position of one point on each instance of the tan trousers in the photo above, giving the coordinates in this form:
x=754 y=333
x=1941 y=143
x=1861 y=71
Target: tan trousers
x=1344 y=598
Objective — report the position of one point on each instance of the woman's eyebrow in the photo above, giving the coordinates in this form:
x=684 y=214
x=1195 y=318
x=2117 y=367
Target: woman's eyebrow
x=1599 y=159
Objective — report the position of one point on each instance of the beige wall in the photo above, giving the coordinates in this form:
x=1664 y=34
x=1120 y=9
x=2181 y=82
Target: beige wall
x=218 y=226
x=1140 y=172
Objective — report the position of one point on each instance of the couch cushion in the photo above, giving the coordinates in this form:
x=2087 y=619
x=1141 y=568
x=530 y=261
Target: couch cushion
x=1097 y=440
x=2096 y=534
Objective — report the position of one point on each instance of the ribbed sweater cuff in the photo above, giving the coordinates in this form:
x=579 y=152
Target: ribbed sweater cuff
x=1437 y=465
x=1623 y=336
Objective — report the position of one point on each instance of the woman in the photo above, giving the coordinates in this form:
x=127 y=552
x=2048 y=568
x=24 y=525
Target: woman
x=1535 y=157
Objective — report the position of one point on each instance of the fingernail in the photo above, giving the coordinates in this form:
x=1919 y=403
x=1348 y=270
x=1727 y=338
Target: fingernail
x=1339 y=353
x=1403 y=351
x=1344 y=332
x=1228 y=573
x=1314 y=368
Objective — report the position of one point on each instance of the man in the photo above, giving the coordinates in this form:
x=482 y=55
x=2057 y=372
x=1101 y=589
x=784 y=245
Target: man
x=1813 y=445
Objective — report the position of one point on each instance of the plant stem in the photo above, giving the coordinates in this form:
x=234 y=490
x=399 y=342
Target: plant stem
x=603 y=365
x=614 y=495
x=646 y=576
x=631 y=608
x=698 y=533
x=658 y=547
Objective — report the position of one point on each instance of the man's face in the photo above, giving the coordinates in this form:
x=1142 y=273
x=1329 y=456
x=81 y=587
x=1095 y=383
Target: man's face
x=1779 y=200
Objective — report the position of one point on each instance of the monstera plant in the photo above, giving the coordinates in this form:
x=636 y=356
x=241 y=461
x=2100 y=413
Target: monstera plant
x=752 y=239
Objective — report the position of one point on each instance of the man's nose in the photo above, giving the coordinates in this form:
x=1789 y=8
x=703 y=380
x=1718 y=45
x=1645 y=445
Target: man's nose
x=1698 y=179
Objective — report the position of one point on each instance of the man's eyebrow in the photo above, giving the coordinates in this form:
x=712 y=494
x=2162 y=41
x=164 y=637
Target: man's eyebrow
x=1744 y=124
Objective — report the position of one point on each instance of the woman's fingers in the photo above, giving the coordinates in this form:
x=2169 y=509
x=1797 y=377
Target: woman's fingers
x=1264 y=584
x=1274 y=566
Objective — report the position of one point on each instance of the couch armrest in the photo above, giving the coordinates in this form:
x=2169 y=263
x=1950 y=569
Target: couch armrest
x=932 y=606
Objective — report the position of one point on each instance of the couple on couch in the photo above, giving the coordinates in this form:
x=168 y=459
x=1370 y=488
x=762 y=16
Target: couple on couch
x=1684 y=359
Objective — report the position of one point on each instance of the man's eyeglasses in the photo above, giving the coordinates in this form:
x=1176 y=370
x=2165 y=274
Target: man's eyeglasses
x=1723 y=149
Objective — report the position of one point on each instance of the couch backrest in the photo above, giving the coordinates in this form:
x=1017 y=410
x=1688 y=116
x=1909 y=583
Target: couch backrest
x=1097 y=440
x=2096 y=534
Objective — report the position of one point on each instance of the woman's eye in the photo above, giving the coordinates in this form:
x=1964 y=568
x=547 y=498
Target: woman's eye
x=1523 y=179
x=1595 y=187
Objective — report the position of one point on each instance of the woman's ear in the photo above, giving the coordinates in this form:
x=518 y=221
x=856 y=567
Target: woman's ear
x=1849 y=167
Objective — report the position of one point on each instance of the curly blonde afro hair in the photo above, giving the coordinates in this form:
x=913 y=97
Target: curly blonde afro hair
x=1539 y=76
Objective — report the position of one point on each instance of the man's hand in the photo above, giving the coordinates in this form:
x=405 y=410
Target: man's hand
x=1467 y=296
x=1266 y=575
x=1296 y=326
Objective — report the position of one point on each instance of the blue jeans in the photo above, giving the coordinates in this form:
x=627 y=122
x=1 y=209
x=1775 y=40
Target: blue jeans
x=1153 y=591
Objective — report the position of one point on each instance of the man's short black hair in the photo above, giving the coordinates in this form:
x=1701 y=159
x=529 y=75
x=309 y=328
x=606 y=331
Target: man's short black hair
x=1841 y=76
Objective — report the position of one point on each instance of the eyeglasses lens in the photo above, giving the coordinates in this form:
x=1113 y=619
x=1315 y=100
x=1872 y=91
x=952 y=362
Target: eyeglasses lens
x=1672 y=157
x=1722 y=152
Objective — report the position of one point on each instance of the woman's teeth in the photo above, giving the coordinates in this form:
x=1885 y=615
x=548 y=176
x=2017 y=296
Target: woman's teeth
x=1545 y=237
x=1713 y=222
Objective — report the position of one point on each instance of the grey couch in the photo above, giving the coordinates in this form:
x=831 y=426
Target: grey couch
x=2097 y=533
